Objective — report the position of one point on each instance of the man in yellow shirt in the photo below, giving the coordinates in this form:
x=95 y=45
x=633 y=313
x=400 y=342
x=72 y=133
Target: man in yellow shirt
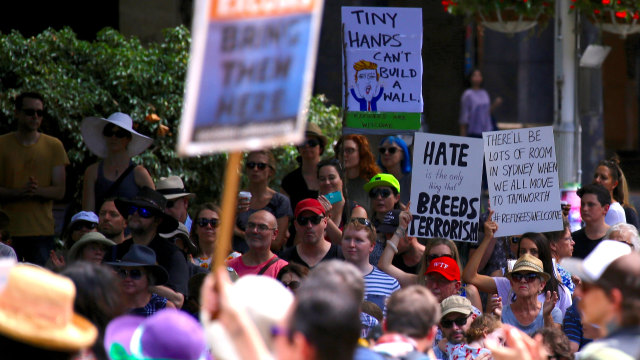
x=32 y=176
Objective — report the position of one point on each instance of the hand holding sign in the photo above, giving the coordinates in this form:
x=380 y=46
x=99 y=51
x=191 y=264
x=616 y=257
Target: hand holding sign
x=490 y=226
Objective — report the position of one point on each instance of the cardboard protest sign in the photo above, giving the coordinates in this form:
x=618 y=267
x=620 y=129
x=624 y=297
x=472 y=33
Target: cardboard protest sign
x=522 y=175
x=250 y=74
x=382 y=67
x=445 y=187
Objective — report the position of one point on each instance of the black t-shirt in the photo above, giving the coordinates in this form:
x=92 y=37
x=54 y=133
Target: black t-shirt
x=583 y=245
x=399 y=263
x=291 y=255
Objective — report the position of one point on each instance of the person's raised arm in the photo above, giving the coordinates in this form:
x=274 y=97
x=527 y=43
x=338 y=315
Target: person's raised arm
x=390 y=250
x=89 y=189
x=470 y=274
x=142 y=177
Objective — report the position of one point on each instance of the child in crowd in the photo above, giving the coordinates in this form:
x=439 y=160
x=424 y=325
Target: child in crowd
x=486 y=326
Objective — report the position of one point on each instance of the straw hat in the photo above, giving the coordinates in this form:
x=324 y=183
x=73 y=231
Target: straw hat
x=172 y=187
x=529 y=263
x=92 y=127
x=36 y=308
x=90 y=237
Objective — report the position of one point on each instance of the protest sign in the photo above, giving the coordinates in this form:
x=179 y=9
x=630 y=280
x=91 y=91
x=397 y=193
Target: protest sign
x=250 y=74
x=522 y=175
x=382 y=67
x=445 y=187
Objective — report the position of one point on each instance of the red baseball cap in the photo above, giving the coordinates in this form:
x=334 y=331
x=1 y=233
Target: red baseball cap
x=312 y=205
x=445 y=266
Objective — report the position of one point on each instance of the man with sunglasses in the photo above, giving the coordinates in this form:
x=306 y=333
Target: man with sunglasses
x=177 y=197
x=311 y=247
x=457 y=316
x=146 y=219
x=32 y=176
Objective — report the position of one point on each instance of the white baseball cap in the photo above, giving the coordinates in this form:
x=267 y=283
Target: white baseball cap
x=590 y=268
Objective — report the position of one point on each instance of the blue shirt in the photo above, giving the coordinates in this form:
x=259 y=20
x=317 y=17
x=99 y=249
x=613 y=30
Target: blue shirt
x=538 y=323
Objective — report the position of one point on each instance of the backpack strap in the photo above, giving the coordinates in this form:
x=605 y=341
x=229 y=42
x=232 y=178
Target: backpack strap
x=267 y=265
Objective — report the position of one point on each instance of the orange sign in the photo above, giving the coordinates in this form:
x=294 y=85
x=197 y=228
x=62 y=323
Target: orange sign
x=238 y=9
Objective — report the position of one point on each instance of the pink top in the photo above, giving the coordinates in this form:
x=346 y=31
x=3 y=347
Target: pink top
x=239 y=266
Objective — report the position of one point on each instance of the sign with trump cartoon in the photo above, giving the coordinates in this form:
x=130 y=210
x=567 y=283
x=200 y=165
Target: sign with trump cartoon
x=382 y=68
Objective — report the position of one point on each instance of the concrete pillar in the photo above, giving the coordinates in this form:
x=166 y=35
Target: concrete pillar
x=566 y=127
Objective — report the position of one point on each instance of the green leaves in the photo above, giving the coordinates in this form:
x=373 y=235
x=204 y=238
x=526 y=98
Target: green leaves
x=117 y=73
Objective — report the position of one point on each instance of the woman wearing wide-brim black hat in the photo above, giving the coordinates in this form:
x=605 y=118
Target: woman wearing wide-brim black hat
x=139 y=272
x=115 y=142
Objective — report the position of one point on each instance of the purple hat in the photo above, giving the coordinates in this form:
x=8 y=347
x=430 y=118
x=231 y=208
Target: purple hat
x=167 y=334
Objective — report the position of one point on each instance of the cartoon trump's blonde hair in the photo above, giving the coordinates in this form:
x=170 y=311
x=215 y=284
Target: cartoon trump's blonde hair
x=365 y=65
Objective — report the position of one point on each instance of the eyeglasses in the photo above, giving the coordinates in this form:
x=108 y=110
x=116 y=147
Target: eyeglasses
x=310 y=143
x=529 y=277
x=432 y=257
x=391 y=150
x=362 y=221
x=261 y=166
x=134 y=274
x=144 y=212
x=203 y=222
x=31 y=112
x=84 y=225
x=461 y=321
x=119 y=132
x=304 y=220
x=374 y=193
x=292 y=284
x=259 y=227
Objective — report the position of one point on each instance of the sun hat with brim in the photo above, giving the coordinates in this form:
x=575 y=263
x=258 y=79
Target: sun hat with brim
x=529 y=263
x=90 y=237
x=91 y=129
x=142 y=256
x=172 y=187
x=150 y=199
x=36 y=308
x=167 y=334
x=314 y=130
x=591 y=268
x=382 y=180
x=183 y=233
x=456 y=304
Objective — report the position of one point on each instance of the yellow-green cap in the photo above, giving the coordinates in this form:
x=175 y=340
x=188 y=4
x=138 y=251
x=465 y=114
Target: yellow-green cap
x=382 y=180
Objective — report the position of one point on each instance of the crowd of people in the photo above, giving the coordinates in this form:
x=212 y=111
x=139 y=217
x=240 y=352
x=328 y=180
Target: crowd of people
x=321 y=266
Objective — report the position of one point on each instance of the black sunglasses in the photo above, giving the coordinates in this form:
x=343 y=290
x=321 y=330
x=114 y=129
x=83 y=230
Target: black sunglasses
x=261 y=166
x=144 y=212
x=461 y=321
x=84 y=225
x=203 y=222
x=310 y=143
x=119 y=132
x=391 y=150
x=135 y=274
x=529 y=277
x=432 y=257
x=31 y=112
x=385 y=193
x=304 y=220
x=362 y=221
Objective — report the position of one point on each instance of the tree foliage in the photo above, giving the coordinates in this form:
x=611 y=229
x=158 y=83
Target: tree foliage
x=116 y=73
